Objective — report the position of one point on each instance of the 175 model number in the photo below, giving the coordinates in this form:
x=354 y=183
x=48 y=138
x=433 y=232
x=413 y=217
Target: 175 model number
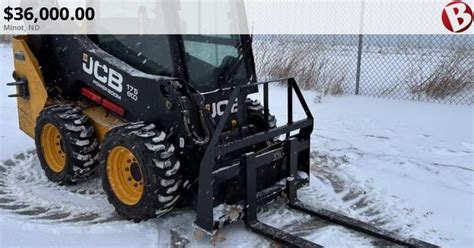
x=132 y=92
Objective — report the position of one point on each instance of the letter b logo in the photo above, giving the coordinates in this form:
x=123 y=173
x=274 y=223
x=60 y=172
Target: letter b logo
x=457 y=16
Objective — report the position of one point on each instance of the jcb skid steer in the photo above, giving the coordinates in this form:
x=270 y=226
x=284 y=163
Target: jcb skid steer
x=168 y=122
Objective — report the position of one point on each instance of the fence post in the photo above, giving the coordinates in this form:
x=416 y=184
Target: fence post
x=359 y=51
x=359 y=62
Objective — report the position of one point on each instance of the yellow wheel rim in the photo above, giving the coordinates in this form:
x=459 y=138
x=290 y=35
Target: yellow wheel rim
x=51 y=145
x=124 y=175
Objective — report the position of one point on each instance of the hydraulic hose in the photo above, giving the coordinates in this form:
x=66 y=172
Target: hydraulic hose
x=207 y=135
x=196 y=138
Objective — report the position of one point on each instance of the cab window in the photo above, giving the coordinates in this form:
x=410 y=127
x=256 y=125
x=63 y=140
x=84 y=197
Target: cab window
x=211 y=58
x=148 y=53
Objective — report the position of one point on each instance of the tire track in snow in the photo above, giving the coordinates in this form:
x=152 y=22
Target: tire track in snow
x=356 y=197
x=339 y=194
x=25 y=191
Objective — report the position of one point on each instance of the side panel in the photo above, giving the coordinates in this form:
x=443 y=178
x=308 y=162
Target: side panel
x=101 y=120
x=26 y=66
x=80 y=63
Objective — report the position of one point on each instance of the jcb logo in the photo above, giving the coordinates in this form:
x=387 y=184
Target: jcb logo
x=457 y=16
x=102 y=73
x=219 y=108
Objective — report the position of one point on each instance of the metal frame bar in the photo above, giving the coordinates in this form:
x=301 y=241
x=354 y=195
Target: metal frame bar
x=292 y=148
x=251 y=162
x=205 y=203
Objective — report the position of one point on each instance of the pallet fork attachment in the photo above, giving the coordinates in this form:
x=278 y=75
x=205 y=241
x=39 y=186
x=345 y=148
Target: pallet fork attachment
x=251 y=162
x=293 y=148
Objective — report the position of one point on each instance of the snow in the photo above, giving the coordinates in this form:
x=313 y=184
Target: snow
x=166 y=182
x=44 y=235
x=402 y=165
x=164 y=198
x=155 y=148
x=414 y=159
x=160 y=137
x=224 y=211
x=173 y=170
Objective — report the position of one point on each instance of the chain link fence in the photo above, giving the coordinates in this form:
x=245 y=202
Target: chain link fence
x=433 y=68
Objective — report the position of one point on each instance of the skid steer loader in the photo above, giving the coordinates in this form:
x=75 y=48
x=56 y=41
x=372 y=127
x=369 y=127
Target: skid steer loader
x=167 y=121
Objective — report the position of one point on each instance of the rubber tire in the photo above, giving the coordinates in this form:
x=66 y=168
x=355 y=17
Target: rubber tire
x=78 y=140
x=162 y=184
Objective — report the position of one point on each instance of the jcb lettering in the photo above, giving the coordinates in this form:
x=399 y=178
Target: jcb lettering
x=219 y=108
x=115 y=80
x=102 y=73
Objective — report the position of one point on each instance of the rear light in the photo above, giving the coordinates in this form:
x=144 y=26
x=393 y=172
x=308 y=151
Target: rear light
x=103 y=101
x=113 y=107
x=91 y=95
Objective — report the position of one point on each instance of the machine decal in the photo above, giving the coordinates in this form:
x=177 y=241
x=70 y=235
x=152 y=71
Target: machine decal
x=219 y=108
x=132 y=92
x=106 y=78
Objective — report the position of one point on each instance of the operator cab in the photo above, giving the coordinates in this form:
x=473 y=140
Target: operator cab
x=207 y=62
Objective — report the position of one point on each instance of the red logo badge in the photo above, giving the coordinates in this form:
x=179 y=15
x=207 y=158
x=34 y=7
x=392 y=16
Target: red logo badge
x=457 y=16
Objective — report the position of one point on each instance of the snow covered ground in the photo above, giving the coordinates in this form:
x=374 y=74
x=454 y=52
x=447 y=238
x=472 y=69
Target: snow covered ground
x=405 y=166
